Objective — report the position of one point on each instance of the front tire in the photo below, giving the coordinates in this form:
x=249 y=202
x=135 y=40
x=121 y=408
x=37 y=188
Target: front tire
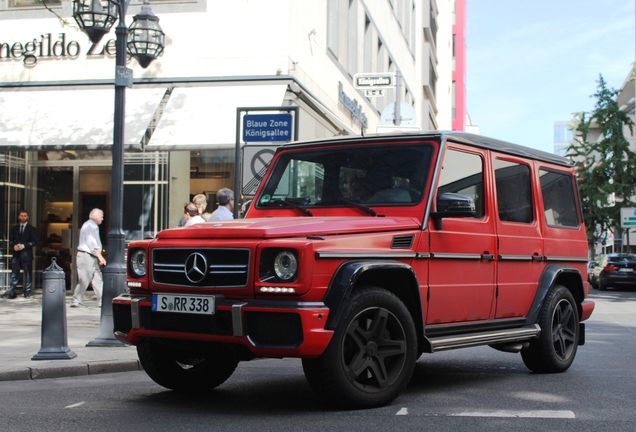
x=371 y=356
x=186 y=370
x=555 y=348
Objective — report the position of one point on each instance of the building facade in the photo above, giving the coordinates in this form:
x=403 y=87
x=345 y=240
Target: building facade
x=562 y=137
x=184 y=113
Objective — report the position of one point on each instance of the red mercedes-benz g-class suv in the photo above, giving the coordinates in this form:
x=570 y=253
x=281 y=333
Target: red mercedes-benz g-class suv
x=359 y=254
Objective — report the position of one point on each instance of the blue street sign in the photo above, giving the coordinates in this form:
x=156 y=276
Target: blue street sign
x=267 y=127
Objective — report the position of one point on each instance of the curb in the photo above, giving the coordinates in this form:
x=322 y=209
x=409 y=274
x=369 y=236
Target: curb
x=64 y=371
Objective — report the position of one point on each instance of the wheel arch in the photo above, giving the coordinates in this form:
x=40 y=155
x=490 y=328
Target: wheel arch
x=394 y=276
x=556 y=274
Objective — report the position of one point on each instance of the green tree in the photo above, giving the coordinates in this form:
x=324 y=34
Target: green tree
x=593 y=199
x=603 y=165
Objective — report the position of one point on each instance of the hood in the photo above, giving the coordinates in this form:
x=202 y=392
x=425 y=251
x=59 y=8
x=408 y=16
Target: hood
x=290 y=227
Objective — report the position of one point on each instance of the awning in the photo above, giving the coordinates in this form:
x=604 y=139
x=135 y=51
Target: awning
x=77 y=118
x=205 y=117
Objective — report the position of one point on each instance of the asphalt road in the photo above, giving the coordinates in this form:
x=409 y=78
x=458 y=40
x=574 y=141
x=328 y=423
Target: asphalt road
x=476 y=389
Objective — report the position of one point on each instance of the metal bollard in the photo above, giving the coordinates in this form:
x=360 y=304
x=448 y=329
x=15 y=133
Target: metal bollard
x=54 y=344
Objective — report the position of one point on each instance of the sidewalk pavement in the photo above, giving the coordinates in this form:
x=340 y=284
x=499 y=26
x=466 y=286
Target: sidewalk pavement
x=21 y=330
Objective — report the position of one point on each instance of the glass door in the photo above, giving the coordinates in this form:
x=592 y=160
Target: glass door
x=53 y=218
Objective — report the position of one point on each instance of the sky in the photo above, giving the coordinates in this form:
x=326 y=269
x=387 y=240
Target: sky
x=533 y=62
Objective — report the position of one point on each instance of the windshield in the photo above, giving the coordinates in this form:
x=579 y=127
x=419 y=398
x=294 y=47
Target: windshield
x=371 y=175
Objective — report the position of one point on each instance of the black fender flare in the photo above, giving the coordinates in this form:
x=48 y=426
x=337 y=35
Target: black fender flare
x=551 y=274
x=348 y=274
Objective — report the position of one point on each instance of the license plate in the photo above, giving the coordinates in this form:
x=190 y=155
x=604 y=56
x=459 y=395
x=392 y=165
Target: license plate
x=183 y=303
x=626 y=270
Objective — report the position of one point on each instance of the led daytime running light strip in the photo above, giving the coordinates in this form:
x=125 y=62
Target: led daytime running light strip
x=284 y=290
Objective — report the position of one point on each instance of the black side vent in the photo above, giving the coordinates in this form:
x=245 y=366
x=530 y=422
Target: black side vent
x=402 y=242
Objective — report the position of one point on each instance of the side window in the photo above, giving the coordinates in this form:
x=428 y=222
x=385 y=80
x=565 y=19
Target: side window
x=514 y=192
x=559 y=203
x=463 y=173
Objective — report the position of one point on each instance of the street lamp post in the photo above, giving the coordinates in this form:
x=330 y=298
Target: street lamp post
x=145 y=41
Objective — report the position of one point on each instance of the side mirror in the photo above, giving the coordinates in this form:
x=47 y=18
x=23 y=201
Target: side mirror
x=452 y=205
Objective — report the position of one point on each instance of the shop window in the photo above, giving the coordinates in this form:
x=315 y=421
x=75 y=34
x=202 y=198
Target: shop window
x=12 y=178
x=145 y=194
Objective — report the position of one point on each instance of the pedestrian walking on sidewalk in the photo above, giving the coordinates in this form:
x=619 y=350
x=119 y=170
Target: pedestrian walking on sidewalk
x=89 y=259
x=225 y=197
x=22 y=239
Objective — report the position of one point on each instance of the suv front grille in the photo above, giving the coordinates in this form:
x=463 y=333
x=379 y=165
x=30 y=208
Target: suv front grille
x=204 y=268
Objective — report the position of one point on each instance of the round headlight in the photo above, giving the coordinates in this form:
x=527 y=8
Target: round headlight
x=285 y=265
x=138 y=263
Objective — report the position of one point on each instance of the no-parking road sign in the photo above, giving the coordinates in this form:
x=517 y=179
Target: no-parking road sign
x=256 y=160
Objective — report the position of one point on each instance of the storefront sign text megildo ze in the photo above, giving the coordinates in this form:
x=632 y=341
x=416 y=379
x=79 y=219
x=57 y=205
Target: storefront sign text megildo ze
x=47 y=48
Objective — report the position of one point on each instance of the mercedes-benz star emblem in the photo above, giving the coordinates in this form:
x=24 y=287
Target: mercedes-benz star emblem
x=196 y=267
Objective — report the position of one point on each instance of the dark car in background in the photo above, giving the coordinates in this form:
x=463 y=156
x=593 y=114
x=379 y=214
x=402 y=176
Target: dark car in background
x=614 y=270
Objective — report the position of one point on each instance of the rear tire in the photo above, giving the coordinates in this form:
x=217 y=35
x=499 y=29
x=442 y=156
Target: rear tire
x=371 y=356
x=555 y=348
x=184 y=370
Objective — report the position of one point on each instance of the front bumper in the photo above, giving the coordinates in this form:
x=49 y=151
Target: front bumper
x=266 y=328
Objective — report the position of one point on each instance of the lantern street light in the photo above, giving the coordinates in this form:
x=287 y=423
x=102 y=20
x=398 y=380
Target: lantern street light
x=145 y=42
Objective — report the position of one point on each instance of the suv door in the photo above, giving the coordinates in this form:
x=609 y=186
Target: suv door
x=520 y=252
x=462 y=266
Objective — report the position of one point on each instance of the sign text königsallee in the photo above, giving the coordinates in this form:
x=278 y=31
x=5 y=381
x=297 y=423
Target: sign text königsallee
x=267 y=127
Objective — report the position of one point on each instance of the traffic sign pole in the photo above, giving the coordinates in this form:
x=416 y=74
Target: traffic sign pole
x=397 y=118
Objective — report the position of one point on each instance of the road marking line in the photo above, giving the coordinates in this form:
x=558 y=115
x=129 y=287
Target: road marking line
x=517 y=413
x=75 y=405
x=403 y=411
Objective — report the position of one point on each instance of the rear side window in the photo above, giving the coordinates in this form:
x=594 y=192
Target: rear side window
x=559 y=203
x=514 y=192
x=626 y=259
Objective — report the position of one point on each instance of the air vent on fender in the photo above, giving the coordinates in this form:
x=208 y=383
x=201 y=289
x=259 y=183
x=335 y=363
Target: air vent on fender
x=402 y=242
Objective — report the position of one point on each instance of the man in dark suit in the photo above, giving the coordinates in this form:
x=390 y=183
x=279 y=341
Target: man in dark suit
x=22 y=239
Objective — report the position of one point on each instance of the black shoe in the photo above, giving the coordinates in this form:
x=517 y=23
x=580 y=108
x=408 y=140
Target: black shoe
x=27 y=295
x=10 y=295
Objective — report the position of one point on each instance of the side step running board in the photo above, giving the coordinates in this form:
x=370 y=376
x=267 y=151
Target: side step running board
x=442 y=343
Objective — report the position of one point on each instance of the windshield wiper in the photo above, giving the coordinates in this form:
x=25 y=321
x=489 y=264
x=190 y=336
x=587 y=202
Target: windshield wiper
x=358 y=205
x=289 y=204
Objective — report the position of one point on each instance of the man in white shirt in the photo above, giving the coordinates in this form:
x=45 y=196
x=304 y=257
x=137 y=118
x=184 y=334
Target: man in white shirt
x=191 y=214
x=199 y=200
x=89 y=259
x=225 y=197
